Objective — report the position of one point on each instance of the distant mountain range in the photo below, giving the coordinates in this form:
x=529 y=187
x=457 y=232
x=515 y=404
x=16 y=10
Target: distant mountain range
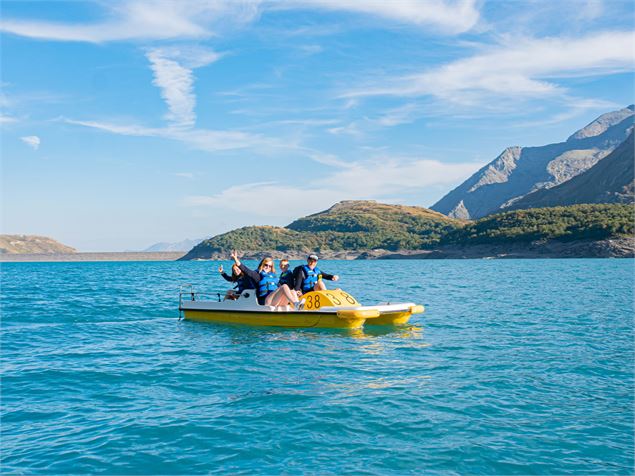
x=519 y=171
x=184 y=245
x=32 y=244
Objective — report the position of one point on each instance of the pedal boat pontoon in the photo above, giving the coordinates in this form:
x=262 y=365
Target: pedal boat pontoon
x=330 y=309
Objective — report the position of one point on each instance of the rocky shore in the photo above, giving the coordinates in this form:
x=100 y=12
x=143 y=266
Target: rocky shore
x=611 y=248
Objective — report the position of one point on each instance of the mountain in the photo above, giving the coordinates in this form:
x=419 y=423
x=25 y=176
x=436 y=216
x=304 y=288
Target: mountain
x=184 y=245
x=349 y=225
x=519 y=171
x=611 y=180
x=32 y=244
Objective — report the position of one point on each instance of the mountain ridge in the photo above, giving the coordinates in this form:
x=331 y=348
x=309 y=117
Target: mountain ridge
x=611 y=180
x=519 y=171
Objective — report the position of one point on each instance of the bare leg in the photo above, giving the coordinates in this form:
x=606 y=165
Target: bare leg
x=319 y=286
x=281 y=296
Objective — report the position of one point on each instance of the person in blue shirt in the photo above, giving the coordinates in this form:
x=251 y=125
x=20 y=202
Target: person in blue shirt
x=308 y=277
x=266 y=279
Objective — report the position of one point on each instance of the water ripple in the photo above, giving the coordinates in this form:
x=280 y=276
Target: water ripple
x=517 y=367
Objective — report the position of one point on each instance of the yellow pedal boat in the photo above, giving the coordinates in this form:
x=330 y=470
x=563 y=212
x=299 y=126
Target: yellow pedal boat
x=330 y=309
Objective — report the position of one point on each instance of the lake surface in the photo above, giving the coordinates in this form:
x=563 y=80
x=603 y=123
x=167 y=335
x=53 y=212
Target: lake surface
x=517 y=367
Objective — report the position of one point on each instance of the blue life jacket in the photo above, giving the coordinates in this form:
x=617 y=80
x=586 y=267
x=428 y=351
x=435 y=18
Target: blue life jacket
x=312 y=277
x=286 y=277
x=268 y=283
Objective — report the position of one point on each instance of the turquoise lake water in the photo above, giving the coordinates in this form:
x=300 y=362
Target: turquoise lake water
x=517 y=367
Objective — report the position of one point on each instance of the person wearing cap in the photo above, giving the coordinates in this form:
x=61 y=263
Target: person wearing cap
x=308 y=277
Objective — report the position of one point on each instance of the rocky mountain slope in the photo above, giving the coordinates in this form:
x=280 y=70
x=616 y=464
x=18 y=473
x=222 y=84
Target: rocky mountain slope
x=32 y=244
x=347 y=226
x=519 y=171
x=611 y=180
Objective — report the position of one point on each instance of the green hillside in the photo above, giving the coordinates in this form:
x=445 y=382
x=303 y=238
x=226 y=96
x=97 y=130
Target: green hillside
x=359 y=226
x=350 y=225
x=577 y=222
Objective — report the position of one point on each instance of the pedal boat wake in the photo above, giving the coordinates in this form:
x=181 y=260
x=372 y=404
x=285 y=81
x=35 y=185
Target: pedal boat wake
x=322 y=309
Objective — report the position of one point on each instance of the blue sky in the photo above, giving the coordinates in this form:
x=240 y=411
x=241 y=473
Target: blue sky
x=125 y=123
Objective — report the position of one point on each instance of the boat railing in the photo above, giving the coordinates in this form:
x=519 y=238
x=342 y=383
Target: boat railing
x=187 y=293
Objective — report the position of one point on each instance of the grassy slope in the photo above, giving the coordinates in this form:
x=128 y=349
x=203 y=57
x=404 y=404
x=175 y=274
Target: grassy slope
x=365 y=225
x=355 y=225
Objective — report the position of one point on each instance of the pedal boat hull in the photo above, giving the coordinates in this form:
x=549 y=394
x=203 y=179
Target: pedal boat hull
x=324 y=310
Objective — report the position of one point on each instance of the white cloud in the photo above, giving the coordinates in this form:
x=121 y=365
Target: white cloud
x=143 y=20
x=357 y=181
x=31 y=141
x=516 y=69
x=448 y=16
x=572 y=108
x=4 y=119
x=351 y=129
x=201 y=139
x=193 y=19
x=282 y=201
x=172 y=68
x=187 y=175
x=399 y=115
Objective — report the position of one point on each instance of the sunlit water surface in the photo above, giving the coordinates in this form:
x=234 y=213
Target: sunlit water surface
x=517 y=367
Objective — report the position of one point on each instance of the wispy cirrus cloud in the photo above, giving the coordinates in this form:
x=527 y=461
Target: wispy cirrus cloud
x=522 y=68
x=200 y=139
x=194 y=19
x=172 y=68
x=142 y=20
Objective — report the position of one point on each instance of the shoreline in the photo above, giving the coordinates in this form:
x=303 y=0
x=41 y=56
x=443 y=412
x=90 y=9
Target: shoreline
x=92 y=257
x=622 y=247
x=610 y=248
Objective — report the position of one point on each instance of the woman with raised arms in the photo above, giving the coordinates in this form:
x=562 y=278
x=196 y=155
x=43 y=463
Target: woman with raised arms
x=266 y=279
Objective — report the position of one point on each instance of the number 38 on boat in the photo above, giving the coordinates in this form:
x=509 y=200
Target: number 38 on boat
x=326 y=309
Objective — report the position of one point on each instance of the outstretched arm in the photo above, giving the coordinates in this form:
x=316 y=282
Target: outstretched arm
x=255 y=275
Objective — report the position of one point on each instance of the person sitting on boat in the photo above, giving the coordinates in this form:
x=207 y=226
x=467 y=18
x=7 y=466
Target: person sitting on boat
x=308 y=277
x=266 y=279
x=241 y=280
x=286 y=276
